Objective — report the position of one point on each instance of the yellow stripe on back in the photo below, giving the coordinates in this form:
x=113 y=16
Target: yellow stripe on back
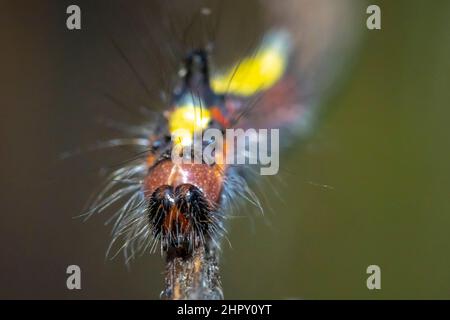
x=187 y=119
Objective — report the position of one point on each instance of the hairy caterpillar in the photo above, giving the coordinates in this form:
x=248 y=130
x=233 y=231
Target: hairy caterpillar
x=170 y=207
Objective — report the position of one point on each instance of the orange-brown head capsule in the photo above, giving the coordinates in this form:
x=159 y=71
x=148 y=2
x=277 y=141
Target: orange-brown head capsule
x=183 y=202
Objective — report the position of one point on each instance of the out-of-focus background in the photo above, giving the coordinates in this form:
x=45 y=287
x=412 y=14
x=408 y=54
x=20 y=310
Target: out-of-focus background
x=369 y=186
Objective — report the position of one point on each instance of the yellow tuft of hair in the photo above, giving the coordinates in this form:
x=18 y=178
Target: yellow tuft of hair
x=186 y=120
x=258 y=72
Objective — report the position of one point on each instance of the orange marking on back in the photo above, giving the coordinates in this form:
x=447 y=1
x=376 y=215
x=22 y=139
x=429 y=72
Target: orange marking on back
x=217 y=115
x=150 y=160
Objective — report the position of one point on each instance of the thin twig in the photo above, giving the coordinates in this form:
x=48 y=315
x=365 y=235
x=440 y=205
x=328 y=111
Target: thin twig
x=192 y=276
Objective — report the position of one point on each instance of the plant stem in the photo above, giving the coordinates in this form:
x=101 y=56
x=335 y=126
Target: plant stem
x=192 y=275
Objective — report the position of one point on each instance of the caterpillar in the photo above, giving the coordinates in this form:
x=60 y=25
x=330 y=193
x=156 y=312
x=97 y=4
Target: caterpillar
x=181 y=208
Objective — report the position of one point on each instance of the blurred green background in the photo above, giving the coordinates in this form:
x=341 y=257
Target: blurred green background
x=384 y=149
x=370 y=186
